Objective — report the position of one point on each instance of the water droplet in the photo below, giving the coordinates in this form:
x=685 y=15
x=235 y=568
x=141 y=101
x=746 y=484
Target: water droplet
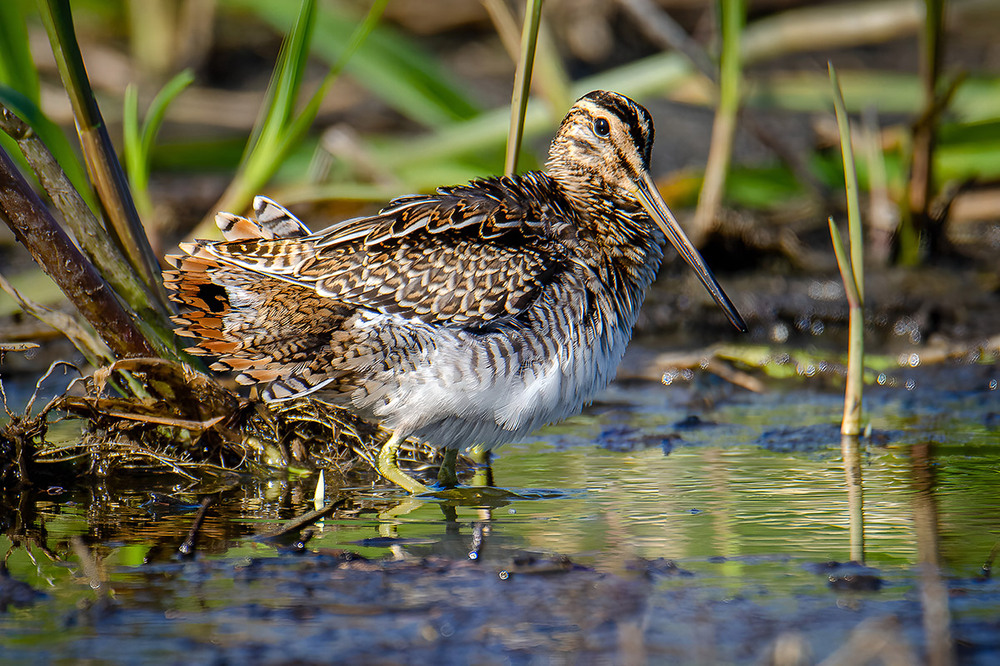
x=914 y=360
x=503 y=575
x=911 y=384
x=827 y=290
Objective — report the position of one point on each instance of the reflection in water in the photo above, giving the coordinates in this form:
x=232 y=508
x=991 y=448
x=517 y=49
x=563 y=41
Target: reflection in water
x=850 y=451
x=933 y=588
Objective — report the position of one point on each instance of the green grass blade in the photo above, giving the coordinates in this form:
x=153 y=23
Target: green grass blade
x=102 y=162
x=283 y=90
x=298 y=127
x=138 y=177
x=158 y=108
x=844 y=264
x=279 y=130
x=17 y=67
x=139 y=140
x=397 y=70
x=732 y=14
x=261 y=155
x=852 y=271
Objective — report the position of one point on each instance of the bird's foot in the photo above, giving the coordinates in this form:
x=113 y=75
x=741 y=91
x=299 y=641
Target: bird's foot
x=390 y=471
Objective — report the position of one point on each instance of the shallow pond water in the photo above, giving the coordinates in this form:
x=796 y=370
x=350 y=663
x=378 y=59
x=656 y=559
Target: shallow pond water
x=653 y=528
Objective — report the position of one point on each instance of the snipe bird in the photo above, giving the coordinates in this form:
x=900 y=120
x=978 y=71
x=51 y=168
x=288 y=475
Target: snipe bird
x=470 y=316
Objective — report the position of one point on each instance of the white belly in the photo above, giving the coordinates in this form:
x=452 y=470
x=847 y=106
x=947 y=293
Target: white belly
x=486 y=389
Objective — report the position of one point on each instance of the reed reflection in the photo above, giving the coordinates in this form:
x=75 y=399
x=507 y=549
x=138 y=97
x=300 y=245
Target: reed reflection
x=851 y=452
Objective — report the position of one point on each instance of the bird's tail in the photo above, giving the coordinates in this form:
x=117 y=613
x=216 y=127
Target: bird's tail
x=252 y=323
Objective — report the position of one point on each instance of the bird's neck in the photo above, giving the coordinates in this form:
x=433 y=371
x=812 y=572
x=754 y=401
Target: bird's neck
x=617 y=229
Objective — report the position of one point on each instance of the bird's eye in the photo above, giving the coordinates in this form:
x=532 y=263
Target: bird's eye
x=601 y=127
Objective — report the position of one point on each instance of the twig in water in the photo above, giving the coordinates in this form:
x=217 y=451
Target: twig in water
x=303 y=520
x=186 y=549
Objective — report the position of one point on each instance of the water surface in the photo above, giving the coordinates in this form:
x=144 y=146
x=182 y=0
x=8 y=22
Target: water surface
x=644 y=535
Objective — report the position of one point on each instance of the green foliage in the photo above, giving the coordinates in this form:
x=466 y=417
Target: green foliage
x=105 y=170
x=139 y=141
x=762 y=188
x=20 y=92
x=17 y=68
x=279 y=128
x=854 y=272
x=388 y=63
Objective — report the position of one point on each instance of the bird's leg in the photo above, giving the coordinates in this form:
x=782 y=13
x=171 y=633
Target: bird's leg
x=389 y=468
x=447 y=476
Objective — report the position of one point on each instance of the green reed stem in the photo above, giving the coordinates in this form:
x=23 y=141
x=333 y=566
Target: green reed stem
x=732 y=14
x=17 y=67
x=522 y=83
x=917 y=223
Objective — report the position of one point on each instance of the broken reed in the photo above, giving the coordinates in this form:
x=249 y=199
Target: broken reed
x=851 y=271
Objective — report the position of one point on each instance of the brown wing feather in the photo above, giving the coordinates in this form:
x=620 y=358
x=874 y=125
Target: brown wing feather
x=257 y=326
x=465 y=256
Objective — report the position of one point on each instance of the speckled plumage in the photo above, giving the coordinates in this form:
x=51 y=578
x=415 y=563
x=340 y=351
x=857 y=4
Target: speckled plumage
x=469 y=316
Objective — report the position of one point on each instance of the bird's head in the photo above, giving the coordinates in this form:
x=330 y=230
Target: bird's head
x=603 y=144
x=600 y=158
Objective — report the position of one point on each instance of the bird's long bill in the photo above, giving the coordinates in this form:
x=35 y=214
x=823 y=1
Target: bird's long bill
x=657 y=209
